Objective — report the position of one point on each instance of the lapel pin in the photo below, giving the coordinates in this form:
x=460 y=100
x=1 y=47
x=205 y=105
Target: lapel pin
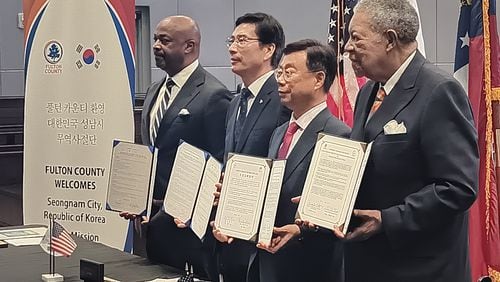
x=260 y=101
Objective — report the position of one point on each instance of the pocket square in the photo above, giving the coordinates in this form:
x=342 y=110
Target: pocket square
x=393 y=127
x=184 y=113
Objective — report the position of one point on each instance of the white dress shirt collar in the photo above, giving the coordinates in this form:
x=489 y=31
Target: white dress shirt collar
x=181 y=77
x=303 y=122
x=391 y=82
x=255 y=88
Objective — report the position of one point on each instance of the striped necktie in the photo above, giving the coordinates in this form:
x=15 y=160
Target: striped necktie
x=162 y=108
x=379 y=98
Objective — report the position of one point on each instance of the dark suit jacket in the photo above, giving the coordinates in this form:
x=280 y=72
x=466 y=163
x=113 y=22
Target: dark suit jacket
x=423 y=181
x=265 y=115
x=316 y=256
x=207 y=101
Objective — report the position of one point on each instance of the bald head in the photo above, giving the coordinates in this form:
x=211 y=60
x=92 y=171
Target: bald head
x=184 y=27
x=177 y=43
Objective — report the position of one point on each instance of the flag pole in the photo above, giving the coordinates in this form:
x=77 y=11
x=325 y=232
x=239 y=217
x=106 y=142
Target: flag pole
x=53 y=251
x=51 y=270
x=52 y=276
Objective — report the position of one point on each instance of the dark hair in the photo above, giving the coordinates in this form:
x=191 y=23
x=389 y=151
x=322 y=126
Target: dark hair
x=320 y=57
x=269 y=31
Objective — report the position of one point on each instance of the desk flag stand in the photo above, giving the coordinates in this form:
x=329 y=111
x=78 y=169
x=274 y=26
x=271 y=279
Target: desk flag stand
x=188 y=276
x=56 y=242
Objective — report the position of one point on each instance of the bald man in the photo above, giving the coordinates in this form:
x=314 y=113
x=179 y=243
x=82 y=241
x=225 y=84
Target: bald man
x=196 y=105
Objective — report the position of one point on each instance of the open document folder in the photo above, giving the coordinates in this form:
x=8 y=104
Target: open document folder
x=333 y=181
x=249 y=197
x=190 y=190
x=131 y=178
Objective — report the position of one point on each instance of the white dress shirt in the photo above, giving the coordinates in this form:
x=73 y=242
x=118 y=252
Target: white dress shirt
x=303 y=121
x=180 y=79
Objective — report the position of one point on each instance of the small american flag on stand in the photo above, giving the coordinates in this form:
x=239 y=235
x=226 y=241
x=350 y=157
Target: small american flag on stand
x=58 y=240
x=61 y=240
x=189 y=276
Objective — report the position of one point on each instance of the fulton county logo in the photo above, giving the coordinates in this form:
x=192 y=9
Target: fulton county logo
x=53 y=52
x=88 y=56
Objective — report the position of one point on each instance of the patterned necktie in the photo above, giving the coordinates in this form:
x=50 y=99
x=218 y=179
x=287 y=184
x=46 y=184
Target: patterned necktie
x=287 y=140
x=379 y=98
x=240 y=122
x=162 y=108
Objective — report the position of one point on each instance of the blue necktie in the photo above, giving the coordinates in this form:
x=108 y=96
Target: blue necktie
x=240 y=122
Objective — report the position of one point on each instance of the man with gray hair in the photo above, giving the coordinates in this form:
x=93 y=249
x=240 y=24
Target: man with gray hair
x=410 y=221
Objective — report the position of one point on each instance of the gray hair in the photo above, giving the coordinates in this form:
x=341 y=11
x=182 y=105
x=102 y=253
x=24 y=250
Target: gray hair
x=398 y=15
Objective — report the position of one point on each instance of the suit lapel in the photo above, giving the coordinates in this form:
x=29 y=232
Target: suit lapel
x=149 y=101
x=188 y=92
x=276 y=141
x=391 y=106
x=259 y=104
x=364 y=102
x=401 y=95
x=306 y=143
x=233 y=111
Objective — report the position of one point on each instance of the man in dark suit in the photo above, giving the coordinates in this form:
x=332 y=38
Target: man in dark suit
x=193 y=105
x=304 y=75
x=255 y=48
x=422 y=175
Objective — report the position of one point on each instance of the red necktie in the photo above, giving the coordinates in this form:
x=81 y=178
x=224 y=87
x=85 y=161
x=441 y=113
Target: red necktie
x=287 y=140
x=378 y=100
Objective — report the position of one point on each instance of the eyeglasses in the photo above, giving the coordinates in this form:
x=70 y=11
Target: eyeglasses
x=288 y=74
x=241 y=41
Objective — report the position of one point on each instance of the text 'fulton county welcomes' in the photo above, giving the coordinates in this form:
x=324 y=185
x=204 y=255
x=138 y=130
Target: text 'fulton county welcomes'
x=74 y=170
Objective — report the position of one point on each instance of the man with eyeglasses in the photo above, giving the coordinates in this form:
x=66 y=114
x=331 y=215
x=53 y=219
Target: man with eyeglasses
x=304 y=76
x=188 y=104
x=255 y=48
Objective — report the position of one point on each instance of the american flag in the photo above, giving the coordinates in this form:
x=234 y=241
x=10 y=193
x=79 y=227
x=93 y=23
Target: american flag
x=345 y=87
x=477 y=65
x=58 y=241
x=61 y=240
